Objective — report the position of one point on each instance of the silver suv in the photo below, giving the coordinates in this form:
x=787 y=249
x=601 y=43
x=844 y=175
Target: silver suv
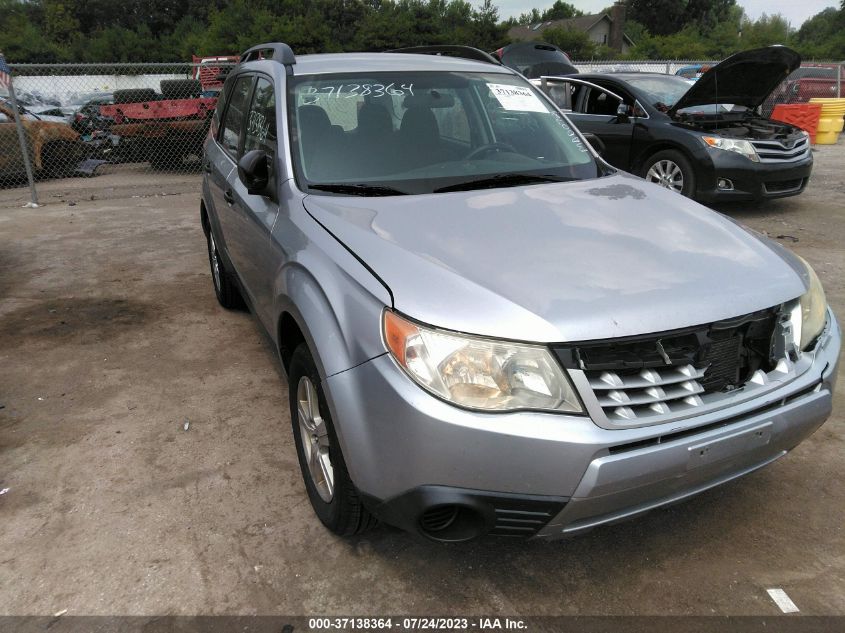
x=486 y=328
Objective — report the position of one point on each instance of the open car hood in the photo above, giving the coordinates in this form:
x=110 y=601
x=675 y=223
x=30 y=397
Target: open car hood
x=746 y=78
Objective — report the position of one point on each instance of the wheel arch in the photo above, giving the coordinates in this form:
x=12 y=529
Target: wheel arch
x=660 y=146
x=204 y=221
x=341 y=327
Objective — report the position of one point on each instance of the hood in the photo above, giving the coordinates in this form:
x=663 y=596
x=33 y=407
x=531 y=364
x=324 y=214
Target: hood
x=561 y=262
x=746 y=78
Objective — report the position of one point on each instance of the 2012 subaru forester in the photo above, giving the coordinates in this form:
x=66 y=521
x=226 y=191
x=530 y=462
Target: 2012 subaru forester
x=485 y=327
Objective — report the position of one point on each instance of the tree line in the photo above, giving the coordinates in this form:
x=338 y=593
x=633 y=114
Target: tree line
x=74 y=31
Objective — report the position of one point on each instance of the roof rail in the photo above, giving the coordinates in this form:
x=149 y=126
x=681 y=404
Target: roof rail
x=454 y=50
x=280 y=52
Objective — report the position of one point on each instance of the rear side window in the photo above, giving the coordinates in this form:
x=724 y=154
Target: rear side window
x=234 y=118
x=261 y=122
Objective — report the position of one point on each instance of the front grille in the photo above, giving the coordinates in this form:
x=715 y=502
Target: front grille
x=677 y=435
x=666 y=375
x=628 y=395
x=774 y=151
x=784 y=186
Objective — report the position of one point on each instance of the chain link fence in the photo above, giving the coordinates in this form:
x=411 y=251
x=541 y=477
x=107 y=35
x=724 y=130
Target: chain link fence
x=88 y=119
x=84 y=119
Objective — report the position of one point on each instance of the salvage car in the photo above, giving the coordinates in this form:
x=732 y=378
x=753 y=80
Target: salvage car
x=53 y=145
x=707 y=138
x=486 y=328
x=87 y=117
x=535 y=59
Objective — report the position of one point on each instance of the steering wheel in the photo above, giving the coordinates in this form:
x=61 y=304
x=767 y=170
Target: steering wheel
x=490 y=147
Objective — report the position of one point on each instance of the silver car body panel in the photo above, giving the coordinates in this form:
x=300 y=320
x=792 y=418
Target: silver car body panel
x=576 y=261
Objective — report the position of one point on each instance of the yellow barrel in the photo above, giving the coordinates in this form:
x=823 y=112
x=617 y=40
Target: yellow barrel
x=831 y=120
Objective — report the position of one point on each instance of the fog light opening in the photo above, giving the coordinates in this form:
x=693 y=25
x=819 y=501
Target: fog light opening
x=725 y=184
x=451 y=523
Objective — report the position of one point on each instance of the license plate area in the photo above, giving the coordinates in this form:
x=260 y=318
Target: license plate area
x=728 y=446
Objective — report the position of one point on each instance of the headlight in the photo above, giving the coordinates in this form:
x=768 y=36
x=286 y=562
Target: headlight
x=479 y=373
x=732 y=145
x=810 y=312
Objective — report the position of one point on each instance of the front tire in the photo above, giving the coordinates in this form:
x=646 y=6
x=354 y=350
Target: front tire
x=672 y=170
x=333 y=496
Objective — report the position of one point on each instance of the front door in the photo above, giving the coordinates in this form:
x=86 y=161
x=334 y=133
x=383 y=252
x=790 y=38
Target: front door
x=595 y=110
x=254 y=215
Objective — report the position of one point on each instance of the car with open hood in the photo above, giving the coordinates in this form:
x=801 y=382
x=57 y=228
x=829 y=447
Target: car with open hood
x=485 y=327
x=706 y=138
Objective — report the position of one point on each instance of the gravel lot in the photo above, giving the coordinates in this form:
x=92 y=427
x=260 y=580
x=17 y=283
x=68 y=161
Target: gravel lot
x=111 y=339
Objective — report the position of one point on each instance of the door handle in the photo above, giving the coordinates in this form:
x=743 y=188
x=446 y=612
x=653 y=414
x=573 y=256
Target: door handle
x=207 y=166
x=228 y=196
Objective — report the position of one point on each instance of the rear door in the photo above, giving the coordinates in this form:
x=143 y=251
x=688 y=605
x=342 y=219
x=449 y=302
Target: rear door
x=253 y=216
x=595 y=110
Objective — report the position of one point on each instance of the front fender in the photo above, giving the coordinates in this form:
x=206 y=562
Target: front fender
x=336 y=302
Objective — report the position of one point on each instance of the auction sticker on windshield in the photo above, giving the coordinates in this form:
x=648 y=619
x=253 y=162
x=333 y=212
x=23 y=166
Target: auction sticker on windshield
x=517 y=98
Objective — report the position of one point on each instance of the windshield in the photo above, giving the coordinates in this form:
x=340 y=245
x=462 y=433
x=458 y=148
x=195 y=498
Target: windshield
x=664 y=91
x=424 y=132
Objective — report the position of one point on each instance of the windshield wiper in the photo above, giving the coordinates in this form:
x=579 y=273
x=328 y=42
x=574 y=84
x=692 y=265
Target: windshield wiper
x=359 y=189
x=501 y=180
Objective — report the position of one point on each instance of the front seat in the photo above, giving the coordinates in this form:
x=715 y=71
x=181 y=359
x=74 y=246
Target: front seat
x=420 y=137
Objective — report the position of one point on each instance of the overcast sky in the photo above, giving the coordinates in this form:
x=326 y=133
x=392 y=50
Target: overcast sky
x=794 y=11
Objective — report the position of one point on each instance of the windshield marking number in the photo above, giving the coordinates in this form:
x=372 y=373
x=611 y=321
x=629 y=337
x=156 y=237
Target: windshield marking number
x=517 y=98
x=350 y=91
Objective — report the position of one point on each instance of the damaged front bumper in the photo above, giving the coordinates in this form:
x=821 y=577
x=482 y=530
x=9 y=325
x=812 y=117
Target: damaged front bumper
x=422 y=464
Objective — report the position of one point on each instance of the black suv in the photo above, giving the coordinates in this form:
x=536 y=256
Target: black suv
x=705 y=138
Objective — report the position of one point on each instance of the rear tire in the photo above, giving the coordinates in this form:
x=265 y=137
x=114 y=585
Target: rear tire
x=225 y=289
x=135 y=95
x=333 y=496
x=180 y=88
x=671 y=169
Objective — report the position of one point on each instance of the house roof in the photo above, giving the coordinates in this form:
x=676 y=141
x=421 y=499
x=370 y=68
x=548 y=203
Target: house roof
x=582 y=23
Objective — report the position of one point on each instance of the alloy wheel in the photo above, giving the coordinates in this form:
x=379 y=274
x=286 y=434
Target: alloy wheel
x=667 y=174
x=215 y=262
x=314 y=437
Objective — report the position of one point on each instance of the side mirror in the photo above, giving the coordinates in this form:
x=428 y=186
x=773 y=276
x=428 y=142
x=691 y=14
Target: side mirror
x=596 y=143
x=255 y=170
x=623 y=113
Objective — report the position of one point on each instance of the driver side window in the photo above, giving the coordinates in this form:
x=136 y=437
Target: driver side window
x=261 y=121
x=599 y=102
x=234 y=118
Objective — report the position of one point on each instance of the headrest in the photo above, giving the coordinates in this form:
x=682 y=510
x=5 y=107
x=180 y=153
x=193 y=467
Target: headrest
x=313 y=116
